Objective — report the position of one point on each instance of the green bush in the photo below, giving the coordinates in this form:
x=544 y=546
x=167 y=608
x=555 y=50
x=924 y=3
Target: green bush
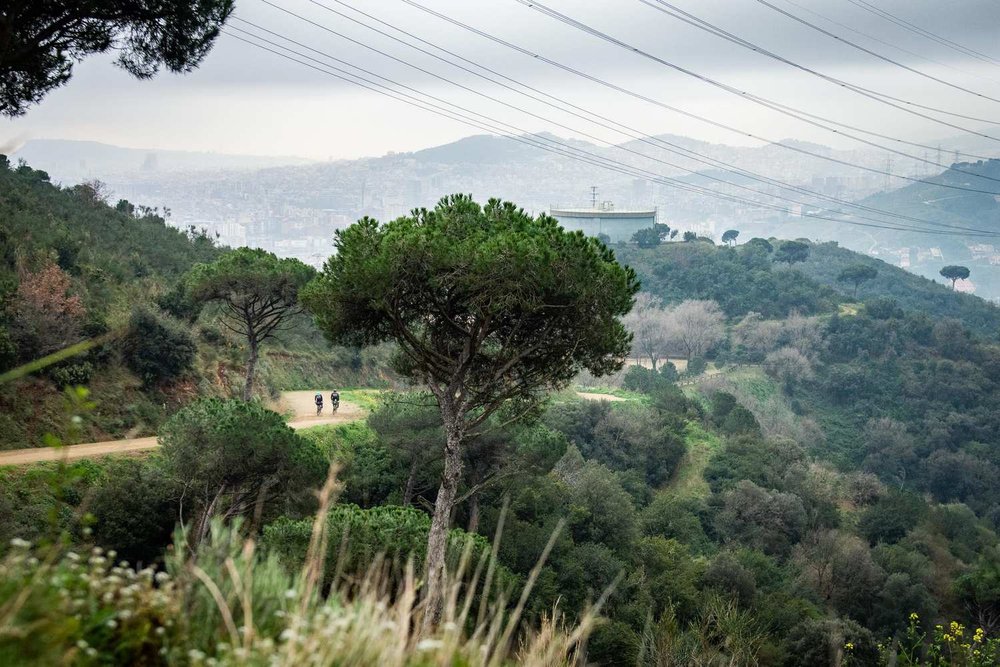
x=669 y=372
x=357 y=536
x=614 y=644
x=73 y=374
x=640 y=379
x=135 y=509
x=238 y=458
x=156 y=350
x=8 y=350
x=696 y=366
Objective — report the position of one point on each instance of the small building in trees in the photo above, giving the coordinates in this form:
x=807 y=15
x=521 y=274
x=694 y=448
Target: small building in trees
x=616 y=224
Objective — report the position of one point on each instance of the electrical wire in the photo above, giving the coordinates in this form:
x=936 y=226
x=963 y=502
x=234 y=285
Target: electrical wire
x=756 y=99
x=535 y=140
x=875 y=54
x=883 y=98
x=603 y=120
x=717 y=124
x=867 y=6
x=887 y=43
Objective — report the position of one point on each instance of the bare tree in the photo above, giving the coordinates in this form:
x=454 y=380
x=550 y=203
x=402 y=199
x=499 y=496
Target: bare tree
x=789 y=366
x=804 y=334
x=648 y=323
x=694 y=327
x=757 y=335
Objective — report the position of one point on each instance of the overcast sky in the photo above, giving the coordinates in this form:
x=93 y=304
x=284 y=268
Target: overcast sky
x=244 y=100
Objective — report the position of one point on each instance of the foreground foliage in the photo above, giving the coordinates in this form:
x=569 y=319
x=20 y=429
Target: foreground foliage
x=231 y=604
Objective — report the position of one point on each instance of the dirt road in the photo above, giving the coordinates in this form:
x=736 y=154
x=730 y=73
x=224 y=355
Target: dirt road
x=299 y=404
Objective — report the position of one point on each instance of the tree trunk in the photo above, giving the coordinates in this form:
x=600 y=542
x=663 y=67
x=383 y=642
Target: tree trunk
x=437 y=540
x=411 y=481
x=473 y=513
x=251 y=369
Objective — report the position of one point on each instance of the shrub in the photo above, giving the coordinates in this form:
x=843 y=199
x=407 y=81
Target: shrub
x=155 y=350
x=8 y=350
x=669 y=372
x=823 y=642
x=696 y=366
x=135 y=511
x=69 y=375
x=179 y=303
x=358 y=536
x=641 y=379
x=236 y=458
x=614 y=644
x=891 y=518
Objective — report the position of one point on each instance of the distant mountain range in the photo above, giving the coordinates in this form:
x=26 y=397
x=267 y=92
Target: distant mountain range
x=74 y=161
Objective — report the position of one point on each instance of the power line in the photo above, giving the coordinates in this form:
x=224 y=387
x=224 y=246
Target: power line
x=883 y=98
x=887 y=43
x=663 y=105
x=875 y=54
x=955 y=46
x=762 y=101
x=607 y=122
x=558 y=147
x=521 y=139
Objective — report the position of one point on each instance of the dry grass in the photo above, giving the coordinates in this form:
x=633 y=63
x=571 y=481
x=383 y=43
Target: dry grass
x=230 y=604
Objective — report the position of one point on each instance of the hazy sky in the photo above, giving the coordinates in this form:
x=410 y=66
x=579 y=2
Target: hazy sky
x=244 y=100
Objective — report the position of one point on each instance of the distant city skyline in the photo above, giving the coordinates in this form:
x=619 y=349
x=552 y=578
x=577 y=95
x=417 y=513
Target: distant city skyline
x=246 y=101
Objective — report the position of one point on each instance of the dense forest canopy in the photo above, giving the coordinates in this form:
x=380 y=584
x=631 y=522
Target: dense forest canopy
x=807 y=477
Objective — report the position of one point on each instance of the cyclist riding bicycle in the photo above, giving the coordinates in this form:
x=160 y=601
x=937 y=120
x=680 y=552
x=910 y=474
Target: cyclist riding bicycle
x=319 y=404
x=334 y=400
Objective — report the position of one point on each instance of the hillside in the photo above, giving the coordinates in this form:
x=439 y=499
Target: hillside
x=744 y=280
x=946 y=210
x=75 y=268
x=819 y=483
x=910 y=291
x=740 y=280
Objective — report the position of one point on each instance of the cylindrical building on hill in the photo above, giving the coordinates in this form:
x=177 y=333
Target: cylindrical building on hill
x=617 y=225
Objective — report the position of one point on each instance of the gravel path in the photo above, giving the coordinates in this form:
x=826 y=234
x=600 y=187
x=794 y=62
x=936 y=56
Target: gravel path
x=298 y=403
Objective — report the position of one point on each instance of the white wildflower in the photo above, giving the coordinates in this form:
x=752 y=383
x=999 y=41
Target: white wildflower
x=429 y=644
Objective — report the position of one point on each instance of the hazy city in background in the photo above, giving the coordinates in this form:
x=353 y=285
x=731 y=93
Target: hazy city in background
x=263 y=151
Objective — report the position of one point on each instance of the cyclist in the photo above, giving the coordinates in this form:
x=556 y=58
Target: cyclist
x=334 y=401
x=319 y=404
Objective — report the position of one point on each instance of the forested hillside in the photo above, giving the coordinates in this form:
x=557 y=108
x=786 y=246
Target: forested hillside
x=818 y=486
x=912 y=292
x=78 y=266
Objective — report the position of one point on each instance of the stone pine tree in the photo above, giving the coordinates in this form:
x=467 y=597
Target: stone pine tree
x=955 y=273
x=729 y=236
x=40 y=40
x=792 y=252
x=490 y=308
x=857 y=274
x=257 y=292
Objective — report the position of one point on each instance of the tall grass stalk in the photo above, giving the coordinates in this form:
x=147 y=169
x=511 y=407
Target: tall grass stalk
x=230 y=603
